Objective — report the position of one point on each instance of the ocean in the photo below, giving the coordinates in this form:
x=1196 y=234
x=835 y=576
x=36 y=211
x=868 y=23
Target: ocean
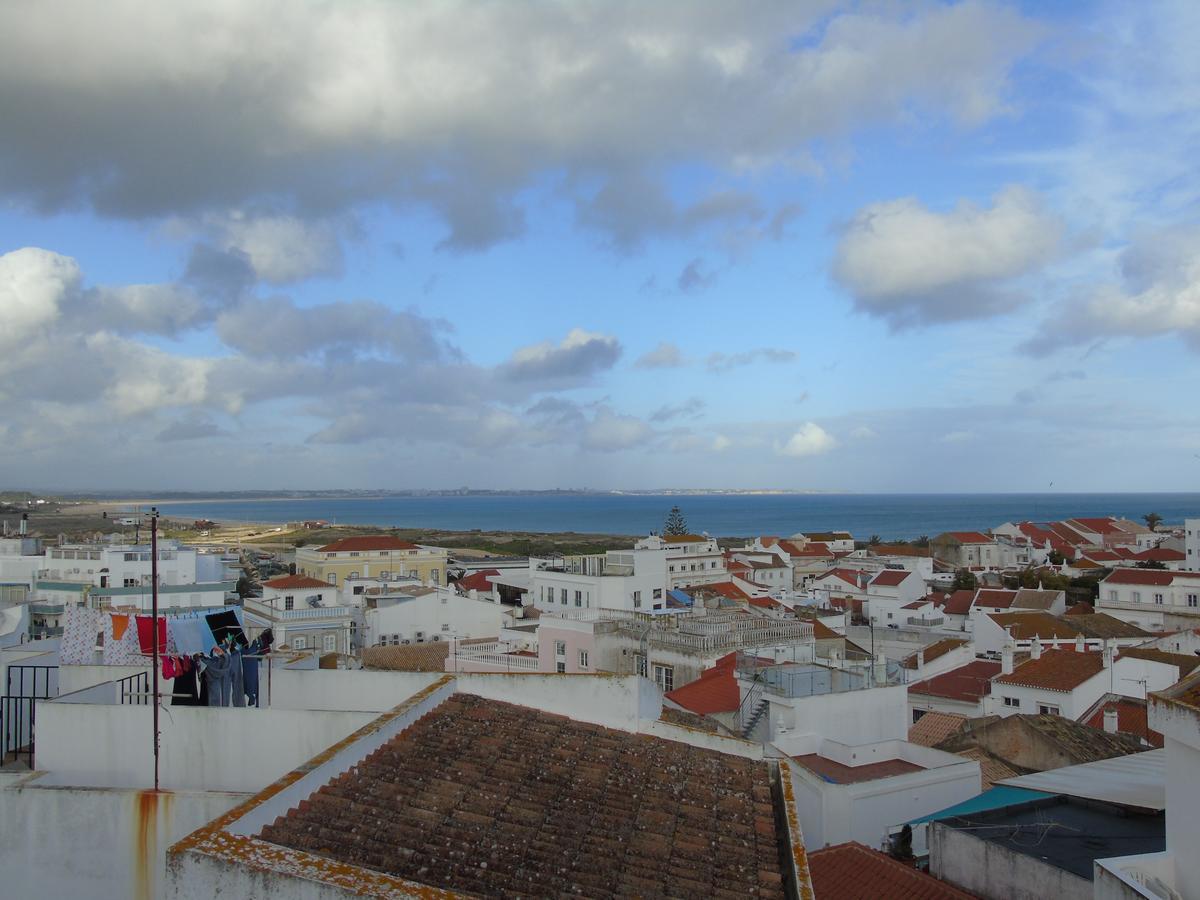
x=891 y=516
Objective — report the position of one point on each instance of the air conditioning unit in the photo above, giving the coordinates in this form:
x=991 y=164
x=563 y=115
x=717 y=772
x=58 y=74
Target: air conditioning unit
x=436 y=637
x=406 y=641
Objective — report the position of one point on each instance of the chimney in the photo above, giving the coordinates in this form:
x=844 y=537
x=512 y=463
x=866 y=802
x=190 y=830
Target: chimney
x=24 y=524
x=1110 y=719
x=920 y=659
x=1035 y=649
x=880 y=668
x=1107 y=653
x=473 y=594
x=1079 y=647
x=1006 y=660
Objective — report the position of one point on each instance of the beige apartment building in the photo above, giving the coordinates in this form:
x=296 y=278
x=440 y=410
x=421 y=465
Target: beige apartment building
x=372 y=556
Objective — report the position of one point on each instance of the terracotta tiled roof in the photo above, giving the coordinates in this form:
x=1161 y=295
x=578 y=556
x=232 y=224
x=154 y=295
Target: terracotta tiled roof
x=890 y=578
x=715 y=691
x=1131 y=717
x=993 y=598
x=1102 y=625
x=934 y=727
x=1031 y=598
x=1082 y=608
x=854 y=872
x=1155 y=577
x=1025 y=626
x=408 y=657
x=828 y=537
x=1095 y=526
x=815 y=549
x=478 y=581
x=725 y=589
x=969 y=537
x=967 y=683
x=367 y=542
x=487 y=798
x=849 y=576
x=823 y=632
x=1066 y=533
x=933 y=651
x=959 y=603
x=1185 y=663
x=1161 y=554
x=764 y=603
x=1056 y=670
x=991 y=769
x=291 y=582
x=898 y=550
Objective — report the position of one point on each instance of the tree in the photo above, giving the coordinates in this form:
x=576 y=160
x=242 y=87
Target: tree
x=1055 y=558
x=873 y=540
x=922 y=541
x=1153 y=520
x=964 y=581
x=676 y=523
x=1151 y=564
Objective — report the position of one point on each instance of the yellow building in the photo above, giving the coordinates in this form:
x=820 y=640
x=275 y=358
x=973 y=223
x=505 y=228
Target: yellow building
x=371 y=556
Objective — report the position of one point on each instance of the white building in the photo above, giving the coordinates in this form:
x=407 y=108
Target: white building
x=1153 y=599
x=1191 y=542
x=303 y=614
x=428 y=615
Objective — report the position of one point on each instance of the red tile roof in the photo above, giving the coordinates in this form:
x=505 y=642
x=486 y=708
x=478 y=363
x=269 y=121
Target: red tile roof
x=1066 y=533
x=970 y=537
x=854 y=872
x=478 y=581
x=765 y=603
x=810 y=550
x=715 y=691
x=1154 y=577
x=289 y=582
x=890 y=577
x=850 y=576
x=367 y=542
x=1131 y=718
x=934 y=727
x=1056 y=670
x=1161 y=554
x=959 y=603
x=1095 y=526
x=993 y=598
x=934 y=650
x=1025 y=626
x=1082 y=608
x=967 y=683
x=551 y=806
x=726 y=589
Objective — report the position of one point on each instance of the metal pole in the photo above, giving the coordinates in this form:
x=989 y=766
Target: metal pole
x=154 y=626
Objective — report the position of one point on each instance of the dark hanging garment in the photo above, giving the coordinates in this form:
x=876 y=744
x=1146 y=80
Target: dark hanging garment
x=191 y=687
x=237 y=694
x=225 y=624
x=217 y=677
x=250 y=676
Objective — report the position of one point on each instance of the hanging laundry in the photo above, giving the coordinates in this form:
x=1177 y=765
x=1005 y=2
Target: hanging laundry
x=226 y=624
x=146 y=635
x=191 y=635
x=122 y=651
x=189 y=689
x=217 y=677
x=80 y=630
x=260 y=646
x=237 y=694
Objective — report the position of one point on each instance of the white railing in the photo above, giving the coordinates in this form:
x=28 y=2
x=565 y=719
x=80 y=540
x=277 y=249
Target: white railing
x=500 y=660
x=308 y=612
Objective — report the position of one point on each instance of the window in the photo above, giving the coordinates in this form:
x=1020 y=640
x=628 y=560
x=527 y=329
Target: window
x=672 y=568
x=579 y=598
x=712 y=565
x=560 y=667
x=583 y=659
x=131 y=582
x=637 y=599
x=330 y=643
x=1192 y=599
x=354 y=553
x=560 y=648
x=1137 y=596
x=353 y=575
x=332 y=579
x=1112 y=595
x=664 y=677
x=917 y=713
x=445 y=627
x=434 y=575
x=300 y=643
x=562 y=596
x=1047 y=710
x=639 y=663
x=658 y=593
x=1012 y=701
x=1158 y=598
x=289 y=602
x=358 y=589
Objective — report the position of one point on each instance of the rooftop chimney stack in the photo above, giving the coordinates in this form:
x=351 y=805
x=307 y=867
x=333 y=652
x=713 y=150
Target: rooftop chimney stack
x=24 y=524
x=1108 y=654
x=1006 y=660
x=1110 y=719
x=1079 y=647
x=880 y=669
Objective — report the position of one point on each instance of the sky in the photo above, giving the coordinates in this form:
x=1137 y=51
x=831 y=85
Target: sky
x=872 y=246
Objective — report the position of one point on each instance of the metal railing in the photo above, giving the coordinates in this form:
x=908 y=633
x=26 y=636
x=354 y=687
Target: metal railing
x=16 y=728
x=134 y=690
x=39 y=682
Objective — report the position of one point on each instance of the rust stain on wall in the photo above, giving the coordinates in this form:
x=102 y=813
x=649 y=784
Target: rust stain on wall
x=149 y=807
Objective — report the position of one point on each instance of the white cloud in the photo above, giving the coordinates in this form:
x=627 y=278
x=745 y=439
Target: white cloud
x=33 y=284
x=911 y=265
x=665 y=356
x=459 y=106
x=723 y=362
x=721 y=443
x=578 y=356
x=810 y=439
x=610 y=431
x=863 y=433
x=283 y=248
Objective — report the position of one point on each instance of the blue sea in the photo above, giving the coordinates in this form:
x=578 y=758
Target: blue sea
x=891 y=516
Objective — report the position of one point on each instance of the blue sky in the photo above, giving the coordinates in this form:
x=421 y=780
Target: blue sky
x=873 y=246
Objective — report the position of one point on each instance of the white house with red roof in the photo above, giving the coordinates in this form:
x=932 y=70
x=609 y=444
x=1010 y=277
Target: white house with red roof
x=890 y=591
x=805 y=558
x=1154 y=599
x=841 y=582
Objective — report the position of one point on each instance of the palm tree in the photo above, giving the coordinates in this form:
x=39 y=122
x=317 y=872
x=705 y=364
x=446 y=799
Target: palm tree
x=1153 y=520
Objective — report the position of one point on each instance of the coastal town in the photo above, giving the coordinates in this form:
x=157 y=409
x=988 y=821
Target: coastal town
x=1008 y=712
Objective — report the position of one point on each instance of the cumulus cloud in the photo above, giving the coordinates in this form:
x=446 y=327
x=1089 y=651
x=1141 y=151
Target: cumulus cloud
x=1156 y=292
x=810 y=439
x=911 y=265
x=723 y=362
x=457 y=107
x=580 y=355
x=610 y=431
x=283 y=249
x=665 y=356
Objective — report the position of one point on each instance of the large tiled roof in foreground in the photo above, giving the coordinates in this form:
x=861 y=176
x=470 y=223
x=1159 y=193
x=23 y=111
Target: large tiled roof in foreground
x=501 y=800
x=853 y=872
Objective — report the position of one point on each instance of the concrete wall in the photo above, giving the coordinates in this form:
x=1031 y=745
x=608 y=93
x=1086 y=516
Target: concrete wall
x=74 y=678
x=341 y=689
x=201 y=748
x=997 y=873
x=1183 y=813
x=616 y=702
x=96 y=844
x=850 y=717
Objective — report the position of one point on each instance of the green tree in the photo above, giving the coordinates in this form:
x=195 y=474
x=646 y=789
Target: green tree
x=964 y=581
x=1056 y=558
x=873 y=540
x=676 y=523
x=922 y=541
x=1151 y=564
x=1153 y=520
